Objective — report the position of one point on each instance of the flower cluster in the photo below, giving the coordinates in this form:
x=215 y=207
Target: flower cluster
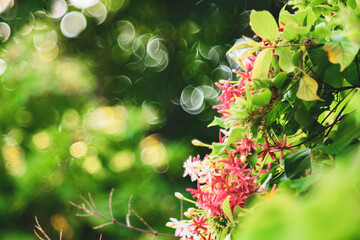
x=232 y=172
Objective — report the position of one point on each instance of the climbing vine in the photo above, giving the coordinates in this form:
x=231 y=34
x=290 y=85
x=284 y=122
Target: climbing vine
x=289 y=110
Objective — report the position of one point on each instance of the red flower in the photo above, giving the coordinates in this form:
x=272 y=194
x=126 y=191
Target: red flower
x=199 y=223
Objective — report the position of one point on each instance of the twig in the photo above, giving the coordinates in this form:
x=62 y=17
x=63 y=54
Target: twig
x=142 y=220
x=181 y=209
x=129 y=212
x=110 y=203
x=92 y=202
x=91 y=212
x=39 y=228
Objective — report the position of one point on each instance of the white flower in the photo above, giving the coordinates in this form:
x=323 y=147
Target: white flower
x=192 y=169
x=182 y=227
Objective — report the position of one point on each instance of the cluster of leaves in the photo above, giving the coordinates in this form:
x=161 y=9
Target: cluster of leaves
x=298 y=81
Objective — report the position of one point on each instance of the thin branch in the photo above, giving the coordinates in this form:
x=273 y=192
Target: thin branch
x=86 y=201
x=96 y=213
x=39 y=228
x=129 y=213
x=92 y=202
x=110 y=203
x=102 y=225
x=181 y=209
x=142 y=220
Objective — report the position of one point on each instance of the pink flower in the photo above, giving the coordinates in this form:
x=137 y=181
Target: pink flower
x=199 y=224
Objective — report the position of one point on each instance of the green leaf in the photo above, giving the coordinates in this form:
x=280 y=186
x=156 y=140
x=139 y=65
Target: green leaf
x=285 y=57
x=262 y=64
x=218 y=148
x=296 y=163
x=351 y=74
x=279 y=80
x=261 y=97
x=351 y=3
x=264 y=25
x=238 y=211
x=318 y=56
x=292 y=31
x=316 y=2
x=248 y=43
x=217 y=122
x=296 y=58
x=305 y=17
x=234 y=133
x=225 y=206
x=341 y=51
x=302 y=184
x=251 y=200
x=302 y=116
x=348 y=130
x=333 y=76
x=307 y=89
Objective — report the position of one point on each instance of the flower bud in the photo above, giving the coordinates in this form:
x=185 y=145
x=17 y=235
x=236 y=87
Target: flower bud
x=187 y=214
x=191 y=210
x=179 y=196
x=170 y=224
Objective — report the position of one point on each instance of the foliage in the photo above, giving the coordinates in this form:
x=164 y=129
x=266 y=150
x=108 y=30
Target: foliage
x=298 y=82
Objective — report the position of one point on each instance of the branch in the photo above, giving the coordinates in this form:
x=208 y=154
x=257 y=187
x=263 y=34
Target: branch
x=39 y=228
x=92 y=210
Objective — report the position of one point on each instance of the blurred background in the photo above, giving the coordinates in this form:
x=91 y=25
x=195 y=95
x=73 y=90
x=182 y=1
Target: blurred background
x=107 y=94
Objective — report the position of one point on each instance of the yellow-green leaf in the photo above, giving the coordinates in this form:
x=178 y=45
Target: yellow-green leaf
x=342 y=51
x=262 y=64
x=285 y=56
x=248 y=43
x=227 y=209
x=264 y=25
x=307 y=89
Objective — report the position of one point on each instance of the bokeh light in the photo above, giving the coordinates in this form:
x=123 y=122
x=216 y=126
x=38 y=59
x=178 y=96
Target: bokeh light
x=58 y=8
x=72 y=24
x=4 y=31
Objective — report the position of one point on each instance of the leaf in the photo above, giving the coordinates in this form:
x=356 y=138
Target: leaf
x=341 y=51
x=296 y=163
x=302 y=116
x=307 y=89
x=248 y=43
x=318 y=56
x=279 y=80
x=351 y=3
x=264 y=25
x=348 y=130
x=351 y=74
x=234 y=133
x=305 y=17
x=297 y=24
x=262 y=64
x=316 y=2
x=261 y=97
x=285 y=57
x=225 y=206
x=217 y=122
x=251 y=200
x=333 y=76
x=302 y=184
x=292 y=31
x=218 y=148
